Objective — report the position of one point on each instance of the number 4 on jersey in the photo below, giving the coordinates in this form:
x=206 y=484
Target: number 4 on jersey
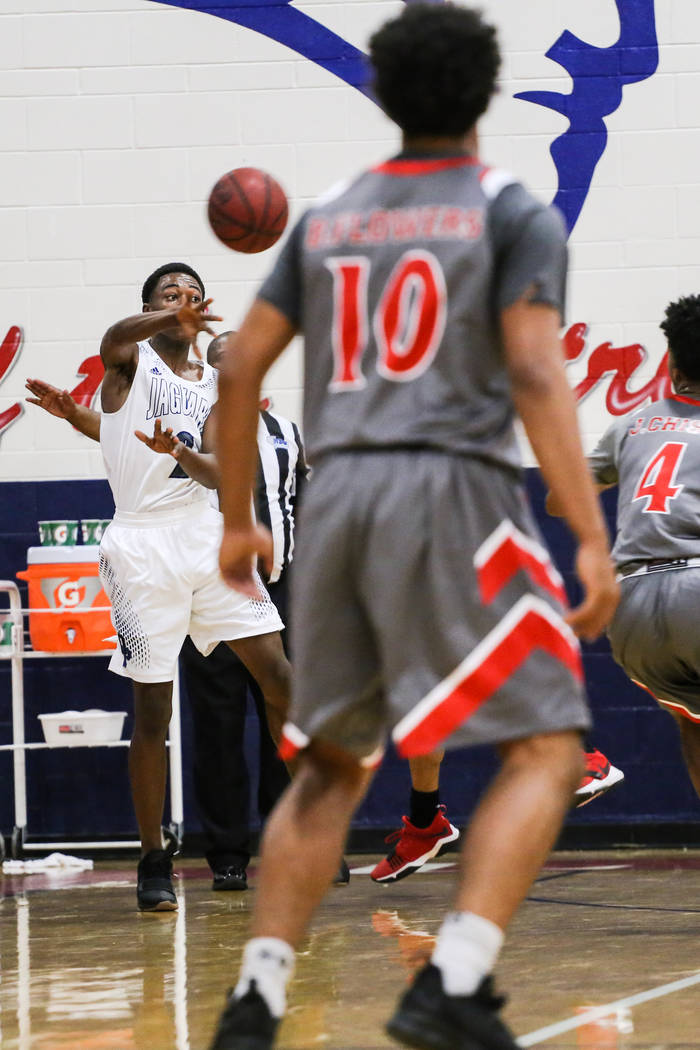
x=657 y=483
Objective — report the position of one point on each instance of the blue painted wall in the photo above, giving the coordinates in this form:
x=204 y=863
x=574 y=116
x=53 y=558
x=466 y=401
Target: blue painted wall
x=85 y=792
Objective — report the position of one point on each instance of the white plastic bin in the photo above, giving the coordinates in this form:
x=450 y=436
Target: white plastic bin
x=82 y=728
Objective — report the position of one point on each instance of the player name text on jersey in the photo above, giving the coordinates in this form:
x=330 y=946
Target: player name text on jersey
x=435 y=221
x=675 y=423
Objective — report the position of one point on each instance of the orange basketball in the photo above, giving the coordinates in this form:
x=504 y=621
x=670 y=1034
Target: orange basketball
x=247 y=210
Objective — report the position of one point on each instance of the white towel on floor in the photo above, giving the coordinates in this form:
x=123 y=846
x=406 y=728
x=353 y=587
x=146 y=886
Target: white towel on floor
x=54 y=861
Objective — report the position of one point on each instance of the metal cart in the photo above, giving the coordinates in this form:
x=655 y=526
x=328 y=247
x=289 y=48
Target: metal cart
x=17 y=654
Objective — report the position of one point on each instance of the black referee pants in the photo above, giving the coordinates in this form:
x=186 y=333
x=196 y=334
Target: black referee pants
x=218 y=687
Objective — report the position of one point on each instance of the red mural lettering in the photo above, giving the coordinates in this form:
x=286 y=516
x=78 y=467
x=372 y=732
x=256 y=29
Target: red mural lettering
x=9 y=348
x=9 y=352
x=10 y=415
x=92 y=370
x=620 y=363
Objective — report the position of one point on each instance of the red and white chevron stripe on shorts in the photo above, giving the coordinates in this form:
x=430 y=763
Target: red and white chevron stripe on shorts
x=531 y=624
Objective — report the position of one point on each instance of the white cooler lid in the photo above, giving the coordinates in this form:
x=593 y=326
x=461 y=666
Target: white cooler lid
x=69 y=555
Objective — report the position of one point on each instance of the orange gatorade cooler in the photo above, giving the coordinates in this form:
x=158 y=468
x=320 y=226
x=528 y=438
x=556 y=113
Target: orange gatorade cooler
x=68 y=609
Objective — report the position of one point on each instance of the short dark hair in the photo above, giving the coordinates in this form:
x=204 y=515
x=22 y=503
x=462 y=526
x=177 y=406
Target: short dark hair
x=174 y=267
x=681 y=326
x=435 y=68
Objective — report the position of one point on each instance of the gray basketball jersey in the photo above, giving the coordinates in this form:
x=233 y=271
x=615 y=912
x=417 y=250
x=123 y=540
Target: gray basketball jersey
x=397 y=281
x=654 y=458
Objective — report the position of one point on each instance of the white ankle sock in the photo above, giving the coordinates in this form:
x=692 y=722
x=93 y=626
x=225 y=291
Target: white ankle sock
x=466 y=951
x=269 y=962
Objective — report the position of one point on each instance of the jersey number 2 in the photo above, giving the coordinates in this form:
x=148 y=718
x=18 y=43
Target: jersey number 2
x=188 y=440
x=408 y=322
x=657 y=483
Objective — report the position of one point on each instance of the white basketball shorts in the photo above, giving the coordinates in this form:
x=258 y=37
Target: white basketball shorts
x=161 y=575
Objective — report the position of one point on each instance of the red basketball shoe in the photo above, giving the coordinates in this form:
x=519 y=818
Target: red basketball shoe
x=414 y=846
x=599 y=777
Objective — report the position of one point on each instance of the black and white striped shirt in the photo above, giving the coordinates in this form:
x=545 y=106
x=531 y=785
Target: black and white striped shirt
x=281 y=471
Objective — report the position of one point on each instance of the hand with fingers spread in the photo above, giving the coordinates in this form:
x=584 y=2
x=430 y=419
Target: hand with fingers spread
x=56 y=402
x=163 y=441
x=239 y=548
x=595 y=570
x=60 y=403
x=200 y=466
x=194 y=318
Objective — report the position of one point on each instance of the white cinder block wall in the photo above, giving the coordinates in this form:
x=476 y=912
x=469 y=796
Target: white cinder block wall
x=118 y=115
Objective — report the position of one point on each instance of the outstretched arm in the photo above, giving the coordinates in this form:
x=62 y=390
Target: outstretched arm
x=264 y=334
x=119 y=342
x=545 y=403
x=119 y=348
x=61 y=404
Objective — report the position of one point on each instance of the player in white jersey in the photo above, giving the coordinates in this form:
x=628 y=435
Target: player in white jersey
x=158 y=558
x=276 y=503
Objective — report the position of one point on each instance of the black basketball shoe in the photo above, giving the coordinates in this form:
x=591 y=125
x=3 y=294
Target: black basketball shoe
x=429 y=1019
x=246 y=1023
x=154 y=887
x=232 y=877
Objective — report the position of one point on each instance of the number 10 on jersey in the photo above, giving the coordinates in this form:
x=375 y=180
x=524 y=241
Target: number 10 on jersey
x=408 y=321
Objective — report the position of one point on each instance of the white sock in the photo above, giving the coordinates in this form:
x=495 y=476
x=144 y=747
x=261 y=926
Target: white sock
x=466 y=951
x=269 y=962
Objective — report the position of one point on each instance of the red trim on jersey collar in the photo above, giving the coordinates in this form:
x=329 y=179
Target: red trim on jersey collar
x=426 y=166
x=685 y=400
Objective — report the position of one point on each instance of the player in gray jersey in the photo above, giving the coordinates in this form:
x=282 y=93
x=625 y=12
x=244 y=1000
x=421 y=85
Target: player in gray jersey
x=429 y=292
x=653 y=456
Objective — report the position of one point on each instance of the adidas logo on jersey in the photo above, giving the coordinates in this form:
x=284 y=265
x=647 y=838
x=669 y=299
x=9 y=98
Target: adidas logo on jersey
x=155 y=371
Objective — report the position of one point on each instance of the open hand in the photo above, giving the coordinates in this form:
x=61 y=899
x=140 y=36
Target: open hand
x=54 y=401
x=163 y=441
x=194 y=318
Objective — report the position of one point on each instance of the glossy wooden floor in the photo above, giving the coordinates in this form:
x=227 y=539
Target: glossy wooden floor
x=82 y=970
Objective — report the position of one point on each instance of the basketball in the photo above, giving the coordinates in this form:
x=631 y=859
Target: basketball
x=247 y=210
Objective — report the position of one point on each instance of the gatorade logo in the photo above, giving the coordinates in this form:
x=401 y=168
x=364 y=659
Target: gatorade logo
x=69 y=594
x=61 y=592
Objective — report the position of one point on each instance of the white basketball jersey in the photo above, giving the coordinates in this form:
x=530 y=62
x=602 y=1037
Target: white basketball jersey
x=142 y=480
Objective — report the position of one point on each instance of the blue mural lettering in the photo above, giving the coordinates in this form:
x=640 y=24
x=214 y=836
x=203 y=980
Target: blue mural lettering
x=279 y=21
x=599 y=75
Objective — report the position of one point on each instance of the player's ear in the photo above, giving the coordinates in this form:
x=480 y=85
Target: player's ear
x=146 y=308
x=677 y=377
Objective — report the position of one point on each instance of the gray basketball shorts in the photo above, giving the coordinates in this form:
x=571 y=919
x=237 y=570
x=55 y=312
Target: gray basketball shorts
x=425 y=605
x=655 y=638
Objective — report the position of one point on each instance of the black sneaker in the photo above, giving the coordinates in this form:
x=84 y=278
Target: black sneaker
x=245 y=1024
x=342 y=875
x=231 y=878
x=154 y=887
x=429 y=1019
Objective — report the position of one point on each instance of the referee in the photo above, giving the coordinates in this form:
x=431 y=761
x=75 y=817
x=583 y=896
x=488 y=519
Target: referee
x=219 y=685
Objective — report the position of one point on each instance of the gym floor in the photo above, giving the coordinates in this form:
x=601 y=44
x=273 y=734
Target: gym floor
x=604 y=954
